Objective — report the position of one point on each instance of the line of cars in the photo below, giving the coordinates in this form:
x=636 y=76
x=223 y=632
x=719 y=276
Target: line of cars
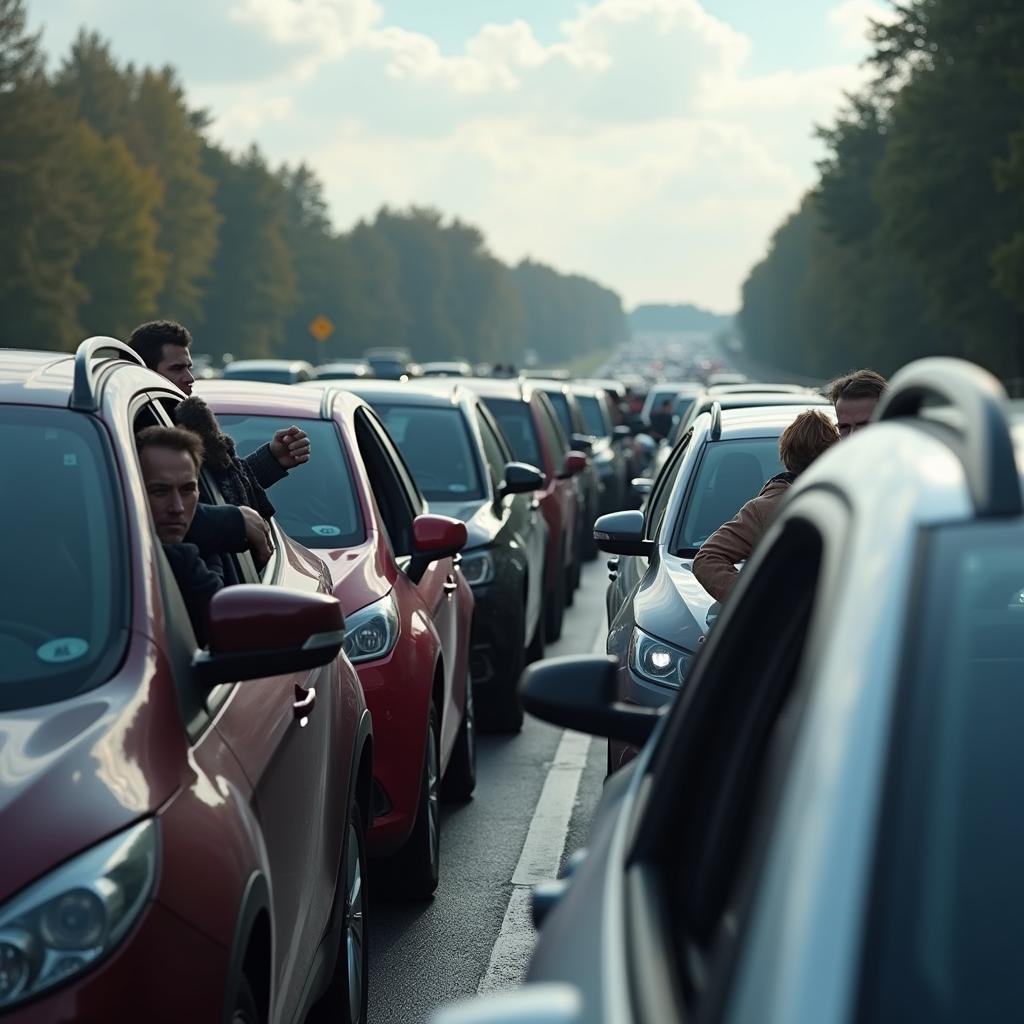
x=215 y=809
x=822 y=826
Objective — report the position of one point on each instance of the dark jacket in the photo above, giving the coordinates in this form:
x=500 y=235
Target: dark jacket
x=216 y=529
x=198 y=579
x=240 y=481
x=715 y=562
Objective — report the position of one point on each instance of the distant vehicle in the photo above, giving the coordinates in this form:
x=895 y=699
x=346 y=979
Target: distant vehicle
x=669 y=391
x=608 y=453
x=536 y=373
x=388 y=363
x=465 y=469
x=271 y=371
x=454 y=368
x=726 y=378
x=343 y=371
x=657 y=611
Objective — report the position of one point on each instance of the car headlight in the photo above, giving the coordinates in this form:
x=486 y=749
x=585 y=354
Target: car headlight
x=63 y=924
x=477 y=567
x=372 y=632
x=657 y=661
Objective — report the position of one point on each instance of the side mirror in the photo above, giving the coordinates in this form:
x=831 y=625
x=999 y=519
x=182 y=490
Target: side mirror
x=579 y=693
x=257 y=631
x=583 y=443
x=521 y=478
x=575 y=463
x=622 y=431
x=642 y=485
x=434 y=537
x=622 y=533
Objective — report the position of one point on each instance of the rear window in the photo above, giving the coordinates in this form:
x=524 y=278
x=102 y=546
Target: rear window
x=945 y=936
x=516 y=424
x=438 y=449
x=64 y=599
x=316 y=503
x=590 y=406
x=730 y=473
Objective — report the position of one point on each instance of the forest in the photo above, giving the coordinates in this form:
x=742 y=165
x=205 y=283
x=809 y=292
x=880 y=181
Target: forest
x=912 y=241
x=117 y=207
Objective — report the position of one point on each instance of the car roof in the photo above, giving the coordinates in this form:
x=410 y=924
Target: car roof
x=265 y=364
x=446 y=391
x=259 y=398
x=762 y=399
x=35 y=378
x=498 y=387
x=761 y=421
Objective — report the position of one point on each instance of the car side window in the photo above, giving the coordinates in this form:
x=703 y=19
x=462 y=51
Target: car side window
x=655 y=512
x=554 y=438
x=397 y=500
x=493 y=453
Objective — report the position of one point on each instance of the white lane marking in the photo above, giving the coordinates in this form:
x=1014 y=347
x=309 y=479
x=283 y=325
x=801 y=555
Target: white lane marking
x=541 y=856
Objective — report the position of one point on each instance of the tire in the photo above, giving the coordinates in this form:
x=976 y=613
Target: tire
x=499 y=708
x=554 y=610
x=417 y=864
x=460 y=779
x=245 y=1009
x=345 y=1001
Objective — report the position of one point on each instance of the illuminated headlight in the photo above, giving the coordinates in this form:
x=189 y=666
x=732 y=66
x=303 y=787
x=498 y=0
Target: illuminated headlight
x=477 y=568
x=657 y=661
x=66 y=922
x=372 y=632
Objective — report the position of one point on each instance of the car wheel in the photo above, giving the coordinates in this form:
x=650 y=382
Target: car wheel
x=245 y=1010
x=499 y=706
x=460 y=779
x=554 y=610
x=346 y=997
x=417 y=864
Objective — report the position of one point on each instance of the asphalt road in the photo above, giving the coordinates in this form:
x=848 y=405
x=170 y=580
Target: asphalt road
x=427 y=954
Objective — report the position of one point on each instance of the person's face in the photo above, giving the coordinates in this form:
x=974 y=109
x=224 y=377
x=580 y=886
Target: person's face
x=173 y=491
x=176 y=366
x=854 y=413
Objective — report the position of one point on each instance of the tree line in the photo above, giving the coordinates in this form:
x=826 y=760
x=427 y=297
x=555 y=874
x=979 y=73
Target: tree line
x=117 y=207
x=912 y=241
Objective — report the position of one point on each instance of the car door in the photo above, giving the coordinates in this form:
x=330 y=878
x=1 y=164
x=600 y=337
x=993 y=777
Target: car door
x=280 y=732
x=438 y=588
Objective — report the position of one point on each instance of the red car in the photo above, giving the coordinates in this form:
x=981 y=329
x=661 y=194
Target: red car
x=182 y=829
x=409 y=611
x=530 y=425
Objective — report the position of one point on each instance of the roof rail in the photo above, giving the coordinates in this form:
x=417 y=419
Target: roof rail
x=716 y=421
x=327 y=401
x=83 y=394
x=983 y=444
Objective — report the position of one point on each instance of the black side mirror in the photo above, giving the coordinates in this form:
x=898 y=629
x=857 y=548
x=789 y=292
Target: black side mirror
x=583 y=443
x=622 y=431
x=622 y=533
x=521 y=478
x=579 y=693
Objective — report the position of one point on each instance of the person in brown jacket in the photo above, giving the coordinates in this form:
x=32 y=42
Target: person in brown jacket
x=810 y=434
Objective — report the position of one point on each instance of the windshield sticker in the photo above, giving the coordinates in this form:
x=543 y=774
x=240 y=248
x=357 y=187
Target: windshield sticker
x=70 y=459
x=458 y=488
x=65 y=648
x=326 y=530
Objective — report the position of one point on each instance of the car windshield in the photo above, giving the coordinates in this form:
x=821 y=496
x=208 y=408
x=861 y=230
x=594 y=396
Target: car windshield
x=561 y=405
x=63 y=605
x=590 y=405
x=945 y=939
x=316 y=504
x=516 y=424
x=436 y=445
x=387 y=368
x=730 y=473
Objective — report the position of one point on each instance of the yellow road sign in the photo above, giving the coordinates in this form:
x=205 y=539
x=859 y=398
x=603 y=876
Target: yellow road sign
x=321 y=328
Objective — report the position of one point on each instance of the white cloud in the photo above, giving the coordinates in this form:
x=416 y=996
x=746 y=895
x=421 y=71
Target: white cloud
x=852 y=19
x=636 y=147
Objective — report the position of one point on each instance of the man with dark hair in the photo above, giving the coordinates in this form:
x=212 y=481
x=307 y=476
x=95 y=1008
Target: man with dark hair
x=171 y=459
x=855 y=396
x=714 y=567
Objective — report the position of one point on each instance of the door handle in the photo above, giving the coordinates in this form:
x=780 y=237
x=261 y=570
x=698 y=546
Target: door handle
x=303 y=704
x=450 y=584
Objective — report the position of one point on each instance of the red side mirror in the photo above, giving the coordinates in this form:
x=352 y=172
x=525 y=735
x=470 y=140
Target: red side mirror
x=575 y=462
x=438 y=536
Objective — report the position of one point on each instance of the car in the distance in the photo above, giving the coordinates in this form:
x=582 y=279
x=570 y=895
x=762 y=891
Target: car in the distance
x=343 y=370
x=465 y=469
x=450 y=368
x=273 y=371
x=388 y=363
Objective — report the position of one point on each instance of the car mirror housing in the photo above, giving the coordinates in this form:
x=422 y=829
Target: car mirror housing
x=575 y=463
x=434 y=537
x=259 y=631
x=521 y=478
x=622 y=533
x=583 y=443
x=641 y=485
x=579 y=693
x=622 y=431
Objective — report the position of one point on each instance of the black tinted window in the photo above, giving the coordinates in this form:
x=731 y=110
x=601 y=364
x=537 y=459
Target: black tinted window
x=557 y=440
x=590 y=406
x=562 y=411
x=63 y=601
x=945 y=939
x=316 y=503
x=496 y=460
x=437 y=447
x=516 y=424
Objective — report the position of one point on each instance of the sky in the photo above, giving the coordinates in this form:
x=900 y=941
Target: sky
x=654 y=145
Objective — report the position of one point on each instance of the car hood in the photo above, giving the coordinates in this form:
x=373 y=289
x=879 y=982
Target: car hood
x=77 y=771
x=672 y=606
x=477 y=515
